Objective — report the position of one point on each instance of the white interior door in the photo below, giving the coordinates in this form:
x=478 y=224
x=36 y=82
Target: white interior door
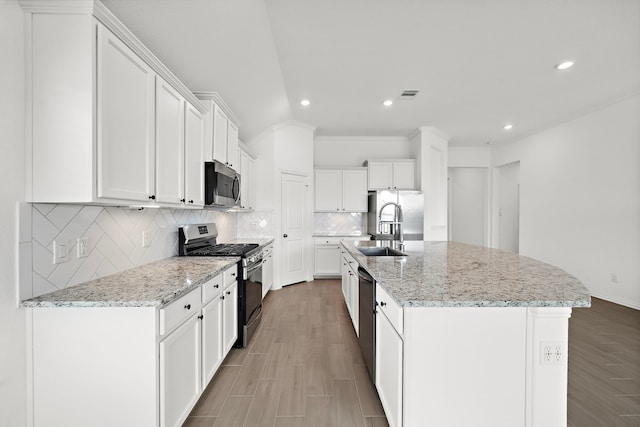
x=467 y=205
x=509 y=208
x=293 y=259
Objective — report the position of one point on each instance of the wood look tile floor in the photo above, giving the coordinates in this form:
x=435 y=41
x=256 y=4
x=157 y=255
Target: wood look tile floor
x=302 y=369
x=604 y=366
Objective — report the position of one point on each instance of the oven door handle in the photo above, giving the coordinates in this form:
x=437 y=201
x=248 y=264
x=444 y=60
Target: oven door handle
x=255 y=316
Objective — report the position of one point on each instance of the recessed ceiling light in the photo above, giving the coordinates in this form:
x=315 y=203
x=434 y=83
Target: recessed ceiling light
x=564 y=65
x=387 y=103
x=305 y=102
x=508 y=127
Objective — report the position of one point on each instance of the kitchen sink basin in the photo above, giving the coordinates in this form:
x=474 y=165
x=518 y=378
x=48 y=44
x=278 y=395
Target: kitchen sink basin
x=381 y=252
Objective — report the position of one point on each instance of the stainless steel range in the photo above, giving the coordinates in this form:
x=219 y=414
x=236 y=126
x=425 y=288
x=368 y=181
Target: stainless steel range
x=201 y=240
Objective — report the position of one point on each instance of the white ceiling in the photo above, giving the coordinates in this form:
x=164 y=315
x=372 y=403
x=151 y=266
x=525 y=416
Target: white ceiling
x=478 y=64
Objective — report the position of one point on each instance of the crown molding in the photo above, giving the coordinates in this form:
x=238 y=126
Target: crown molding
x=429 y=129
x=362 y=138
x=288 y=123
x=100 y=12
x=217 y=98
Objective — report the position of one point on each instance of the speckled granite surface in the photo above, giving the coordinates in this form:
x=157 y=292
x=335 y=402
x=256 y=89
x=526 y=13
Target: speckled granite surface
x=450 y=274
x=149 y=285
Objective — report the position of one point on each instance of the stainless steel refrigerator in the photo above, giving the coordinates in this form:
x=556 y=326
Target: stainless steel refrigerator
x=382 y=217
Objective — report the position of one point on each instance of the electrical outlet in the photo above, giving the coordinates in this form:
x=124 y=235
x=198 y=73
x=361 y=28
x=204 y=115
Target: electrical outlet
x=146 y=239
x=552 y=353
x=60 y=251
x=83 y=247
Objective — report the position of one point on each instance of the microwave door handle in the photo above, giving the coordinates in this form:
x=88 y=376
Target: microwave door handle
x=236 y=188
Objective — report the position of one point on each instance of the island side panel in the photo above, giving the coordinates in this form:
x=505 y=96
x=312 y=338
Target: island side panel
x=547 y=366
x=464 y=366
x=94 y=366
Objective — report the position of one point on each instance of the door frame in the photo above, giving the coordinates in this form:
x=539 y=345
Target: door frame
x=308 y=242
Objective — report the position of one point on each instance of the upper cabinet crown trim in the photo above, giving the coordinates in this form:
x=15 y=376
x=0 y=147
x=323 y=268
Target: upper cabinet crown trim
x=217 y=98
x=109 y=20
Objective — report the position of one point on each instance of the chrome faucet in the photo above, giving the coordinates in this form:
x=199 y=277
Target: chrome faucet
x=397 y=220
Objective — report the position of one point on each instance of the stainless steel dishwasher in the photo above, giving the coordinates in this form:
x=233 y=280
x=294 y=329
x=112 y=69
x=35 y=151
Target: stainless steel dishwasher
x=367 y=319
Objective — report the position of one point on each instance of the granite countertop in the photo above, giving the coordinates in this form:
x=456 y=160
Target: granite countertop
x=330 y=234
x=149 y=285
x=450 y=274
x=263 y=241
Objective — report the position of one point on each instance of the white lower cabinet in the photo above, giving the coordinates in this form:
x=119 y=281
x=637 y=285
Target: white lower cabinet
x=328 y=255
x=180 y=379
x=130 y=366
x=350 y=288
x=230 y=316
x=389 y=369
x=267 y=269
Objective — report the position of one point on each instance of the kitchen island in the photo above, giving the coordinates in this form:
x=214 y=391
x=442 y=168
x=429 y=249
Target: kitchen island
x=467 y=335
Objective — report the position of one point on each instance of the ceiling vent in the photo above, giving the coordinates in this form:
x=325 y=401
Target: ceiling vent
x=409 y=94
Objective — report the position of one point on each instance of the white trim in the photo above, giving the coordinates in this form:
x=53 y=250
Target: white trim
x=109 y=20
x=615 y=301
x=217 y=98
x=361 y=138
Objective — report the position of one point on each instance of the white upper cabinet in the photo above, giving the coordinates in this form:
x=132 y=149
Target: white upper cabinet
x=125 y=124
x=232 y=146
x=170 y=144
x=340 y=190
x=221 y=136
x=106 y=116
x=354 y=190
x=193 y=158
x=392 y=175
x=247 y=180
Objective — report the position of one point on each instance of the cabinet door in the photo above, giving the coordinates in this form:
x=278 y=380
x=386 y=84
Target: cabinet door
x=267 y=273
x=251 y=186
x=389 y=369
x=232 y=145
x=219 y=134
x=380 y=175
x=211 y=339
x=230 y=315
x=193 y=157
x=355 y=298
x=328 y=191
x=169 y=144
x=179 y=373
x=354 y=190
x=404 y=175
x=344 y=268
x=245 y=180
x=125 y=121
x=327 y=259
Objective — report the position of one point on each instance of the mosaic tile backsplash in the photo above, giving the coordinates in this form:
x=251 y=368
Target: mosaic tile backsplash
x=339 y=223
x=255 y=224
x=115 y=240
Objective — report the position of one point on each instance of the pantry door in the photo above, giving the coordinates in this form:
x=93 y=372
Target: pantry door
x=294 y=196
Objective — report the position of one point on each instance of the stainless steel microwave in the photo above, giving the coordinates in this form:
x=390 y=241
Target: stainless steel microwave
x=221 y=185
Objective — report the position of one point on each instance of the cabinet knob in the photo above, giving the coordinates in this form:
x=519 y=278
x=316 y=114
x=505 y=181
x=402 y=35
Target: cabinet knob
x=285 y=235
x=152 y=197
x=201 y=317
x=228 y=292
x=216 y=286
x=182 y=200
x=233 y=274
x=382 y=303
x=190 y=201
x=222 y=297
x=187 y=307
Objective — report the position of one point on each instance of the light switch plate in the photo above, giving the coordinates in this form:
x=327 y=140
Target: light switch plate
x=60 y=251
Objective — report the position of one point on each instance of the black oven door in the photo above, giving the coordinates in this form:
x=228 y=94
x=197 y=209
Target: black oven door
x=253 y=301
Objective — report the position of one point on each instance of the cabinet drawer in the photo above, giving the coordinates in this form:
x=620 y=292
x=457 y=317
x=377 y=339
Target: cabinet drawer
x=230 y=275
x=212 y=288
x=179 y=310
x=391 y=308
x=327 y=240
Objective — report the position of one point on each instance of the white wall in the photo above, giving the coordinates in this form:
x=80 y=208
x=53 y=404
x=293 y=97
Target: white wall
x=12 y=319
x=353 y=151
x=580 y=198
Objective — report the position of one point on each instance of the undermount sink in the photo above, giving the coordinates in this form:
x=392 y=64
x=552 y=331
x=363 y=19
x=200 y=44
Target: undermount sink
x=381 y=252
